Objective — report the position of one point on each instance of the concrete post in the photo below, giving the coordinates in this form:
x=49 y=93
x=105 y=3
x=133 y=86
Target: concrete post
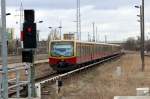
x=4 y=52
x=142 y=36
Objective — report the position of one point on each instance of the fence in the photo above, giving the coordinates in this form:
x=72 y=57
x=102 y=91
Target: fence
x=17 y=84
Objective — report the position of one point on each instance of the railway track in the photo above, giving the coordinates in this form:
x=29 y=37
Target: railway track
x=59 y=76
x=12 y=91
x=44 y=84
x=18 y=59
x=53 y=77
x=23 y=88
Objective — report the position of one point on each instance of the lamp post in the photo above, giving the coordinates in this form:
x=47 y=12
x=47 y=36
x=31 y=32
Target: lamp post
x=8 y=14
x=38 y=31
x=60 y=27
x=93 y=31
x=54 y=30
x=37 y=36
x=50 y=33
x=142 y=27
x=78 y=20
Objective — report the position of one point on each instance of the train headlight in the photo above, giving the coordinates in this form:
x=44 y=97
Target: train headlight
x=62 y=60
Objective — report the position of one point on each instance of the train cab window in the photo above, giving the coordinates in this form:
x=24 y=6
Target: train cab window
x=64 y=49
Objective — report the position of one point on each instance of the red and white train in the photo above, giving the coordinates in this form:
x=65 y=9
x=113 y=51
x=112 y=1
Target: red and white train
x=66 y=55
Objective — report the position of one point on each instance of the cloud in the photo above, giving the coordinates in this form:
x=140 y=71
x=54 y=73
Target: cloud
x=71 y=4
x=115 y=18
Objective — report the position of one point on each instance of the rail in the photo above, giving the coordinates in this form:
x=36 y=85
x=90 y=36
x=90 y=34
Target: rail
x=58 y=77
x=18 y=83
x=15 y=83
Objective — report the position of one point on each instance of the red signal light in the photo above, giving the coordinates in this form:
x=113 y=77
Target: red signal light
x=22 y=35
x=29 y=29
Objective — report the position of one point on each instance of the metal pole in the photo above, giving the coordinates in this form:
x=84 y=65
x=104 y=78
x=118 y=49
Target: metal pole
x=141 y=29
x=96 y=35
x=21 y=15
x=93 y=32
x=17 y=83
x=77 y=16
x=33 y=93
x=60 y=30
x=88 y=37
x=79 y=21
x=29 y=81
x=142 y=36
x=105 y=38
x=4 y=52
x=0 y=87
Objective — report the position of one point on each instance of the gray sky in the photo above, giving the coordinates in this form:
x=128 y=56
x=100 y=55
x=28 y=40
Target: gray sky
x=115 y=18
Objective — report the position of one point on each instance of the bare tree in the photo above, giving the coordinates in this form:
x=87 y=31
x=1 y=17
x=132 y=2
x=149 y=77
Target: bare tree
x=132 y=44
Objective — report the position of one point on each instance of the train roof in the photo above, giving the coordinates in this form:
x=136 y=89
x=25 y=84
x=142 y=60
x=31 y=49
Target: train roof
x=85 y=42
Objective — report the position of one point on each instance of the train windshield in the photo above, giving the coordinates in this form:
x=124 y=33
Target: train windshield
x=64 y=49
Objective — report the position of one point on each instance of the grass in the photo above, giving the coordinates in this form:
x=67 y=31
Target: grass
x=102 y=82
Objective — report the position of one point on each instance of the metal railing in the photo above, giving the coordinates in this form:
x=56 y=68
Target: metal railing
x=17 y=83
x=61 y=76
x=1 y=88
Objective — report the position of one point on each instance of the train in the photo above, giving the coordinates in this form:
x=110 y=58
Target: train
x=65 y=55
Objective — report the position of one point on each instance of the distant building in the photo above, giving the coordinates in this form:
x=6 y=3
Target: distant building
x=42 y=47
x=10 y=34
x=70 y=36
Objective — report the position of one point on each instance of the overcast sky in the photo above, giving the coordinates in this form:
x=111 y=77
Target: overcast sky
x=115 y=18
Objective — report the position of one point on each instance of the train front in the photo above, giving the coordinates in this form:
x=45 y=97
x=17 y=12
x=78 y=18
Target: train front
x=62 y=55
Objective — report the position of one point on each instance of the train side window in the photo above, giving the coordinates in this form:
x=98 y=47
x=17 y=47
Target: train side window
x=85 y=50
x=78 y=50
x=88 y=49
x=103 y=48
x=97 y=48
x=82 y=50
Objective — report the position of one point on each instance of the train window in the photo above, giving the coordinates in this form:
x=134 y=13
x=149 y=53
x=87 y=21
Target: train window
x=97 y=49
x=102 y=48
x=65 y=49
x=88 y=52
x=88 y=49
x=78 y=50
x=82 y=50
x=85 y=50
